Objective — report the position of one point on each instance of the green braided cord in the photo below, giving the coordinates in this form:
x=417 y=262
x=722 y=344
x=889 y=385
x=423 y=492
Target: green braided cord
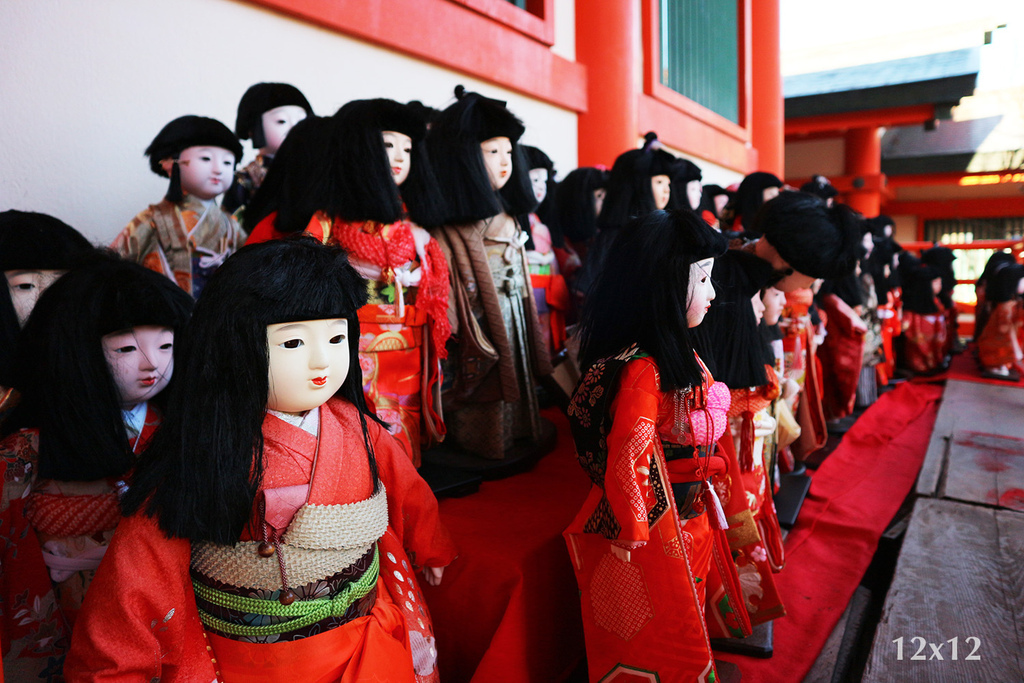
x=306 y=612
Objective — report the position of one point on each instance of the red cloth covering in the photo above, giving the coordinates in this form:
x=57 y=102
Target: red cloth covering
x=140 y=619
x=853 y=496
x=841 y=356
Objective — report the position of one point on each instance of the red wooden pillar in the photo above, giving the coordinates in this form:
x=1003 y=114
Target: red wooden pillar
x=607 y=43
x=864 y=164
x=769 y=118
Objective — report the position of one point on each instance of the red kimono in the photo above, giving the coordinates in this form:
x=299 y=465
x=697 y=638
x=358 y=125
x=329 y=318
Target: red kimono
x=51 y=544
x=641 y=545
x=995 y=345
x=755 y=537
x=803 y=367
x=842 y=354
x=924 y=340
x=141 y=620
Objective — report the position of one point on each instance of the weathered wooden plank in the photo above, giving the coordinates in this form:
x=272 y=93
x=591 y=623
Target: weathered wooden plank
x=974 y=406
x=959 y=576
x=985 y=468
x=825 y=664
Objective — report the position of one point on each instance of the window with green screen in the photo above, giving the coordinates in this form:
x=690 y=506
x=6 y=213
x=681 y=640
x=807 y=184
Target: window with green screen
x=700 y=54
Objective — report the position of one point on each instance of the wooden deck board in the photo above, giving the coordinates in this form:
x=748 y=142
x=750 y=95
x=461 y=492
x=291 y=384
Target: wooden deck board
x=959 y=575
x=986 y=469
x=969 y=406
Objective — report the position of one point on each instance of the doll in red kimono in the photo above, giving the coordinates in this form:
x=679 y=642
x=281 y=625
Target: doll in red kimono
x=999 y=344
x=186 y=236
x=266 y=114
x=744 y=362
x=362 y=179
x=645 y=418
x=276 y=527
x=95 y=354
x=546 y=263
x=924 y=319
x=35 y=250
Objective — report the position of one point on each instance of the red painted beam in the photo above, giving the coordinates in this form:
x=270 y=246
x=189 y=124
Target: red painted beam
x=694 y=136
x=956 y=178
x=467 y=36
x=840 y=123
x=988 y=207
x=768 y=115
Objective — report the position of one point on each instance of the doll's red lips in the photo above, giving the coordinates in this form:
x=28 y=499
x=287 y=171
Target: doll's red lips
x=148 y=382
x=319 y=381
x=395 y=170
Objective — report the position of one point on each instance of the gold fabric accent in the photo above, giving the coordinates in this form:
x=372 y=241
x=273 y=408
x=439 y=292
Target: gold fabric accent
x=321 y=541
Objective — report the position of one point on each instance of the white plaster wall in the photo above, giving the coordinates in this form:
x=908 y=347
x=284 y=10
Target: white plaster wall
x=85 y=86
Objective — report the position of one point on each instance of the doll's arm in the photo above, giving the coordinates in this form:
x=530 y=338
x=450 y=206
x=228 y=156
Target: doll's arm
x=631 y=448
x=137 y=237
x=412 y=507
x=139 y=621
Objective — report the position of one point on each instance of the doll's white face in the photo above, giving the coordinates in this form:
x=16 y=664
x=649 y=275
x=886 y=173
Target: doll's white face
x=206 y=172
x=399 y=149
x=720 y=201
x=661 y=188
x=702 y=292
x=769 y=193
x=758 y=306
x=599 y=194
x=141 y=361
x=539 y=180
x=694 y=191
x=309 y=362
x=26 y=286
x=498 y=160
x=868 y=243
x=774 y=301
x=277 y=122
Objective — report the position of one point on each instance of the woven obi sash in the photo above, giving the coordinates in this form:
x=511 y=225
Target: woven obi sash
x=332 y=564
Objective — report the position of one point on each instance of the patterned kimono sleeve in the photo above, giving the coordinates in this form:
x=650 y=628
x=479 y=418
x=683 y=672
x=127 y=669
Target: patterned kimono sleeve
x=137 y=238
x=631 y=442
x=412 y=507
x=139 y=621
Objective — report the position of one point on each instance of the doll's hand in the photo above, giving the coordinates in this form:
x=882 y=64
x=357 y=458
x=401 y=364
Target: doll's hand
x=433 y=575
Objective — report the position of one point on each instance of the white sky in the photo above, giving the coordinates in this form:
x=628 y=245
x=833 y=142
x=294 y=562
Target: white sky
x=825 y=34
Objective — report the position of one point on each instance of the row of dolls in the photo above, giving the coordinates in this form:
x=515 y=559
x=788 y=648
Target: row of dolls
x=695 y=353
x=271 y=517
x=465 y=316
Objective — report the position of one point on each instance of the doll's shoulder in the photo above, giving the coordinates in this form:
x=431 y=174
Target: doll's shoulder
x=641 y=373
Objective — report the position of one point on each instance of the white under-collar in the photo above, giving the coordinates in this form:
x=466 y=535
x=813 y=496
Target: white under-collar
x=308 y=422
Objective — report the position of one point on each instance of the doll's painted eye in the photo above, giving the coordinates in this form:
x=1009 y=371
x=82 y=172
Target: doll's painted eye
x=388 y=145
x=125 y=349
x=166 y=347
x=292 y=344
x=337 y=339
x=25 y=286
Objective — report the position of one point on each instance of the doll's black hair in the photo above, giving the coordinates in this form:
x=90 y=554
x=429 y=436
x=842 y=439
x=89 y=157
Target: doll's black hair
x=683 y=172
x=32 y=241
x=258 y=100
x=735 y=351
x=365 y=188
x=67 y=390
x=577 y=214
x=640 y=297
x=629 y=184
x=941 y=258
x=1003 y=285
x=750 y=197
x=996 y=262
x=813 y=239
x=878 y=224
x=454 y=146
x=301 y=181
x=547 y=211
x=182 y=133
x=819 y=186
x=201 y=475
x=917 y=278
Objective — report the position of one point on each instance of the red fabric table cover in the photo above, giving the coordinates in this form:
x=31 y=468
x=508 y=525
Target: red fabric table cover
x=508 y=608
